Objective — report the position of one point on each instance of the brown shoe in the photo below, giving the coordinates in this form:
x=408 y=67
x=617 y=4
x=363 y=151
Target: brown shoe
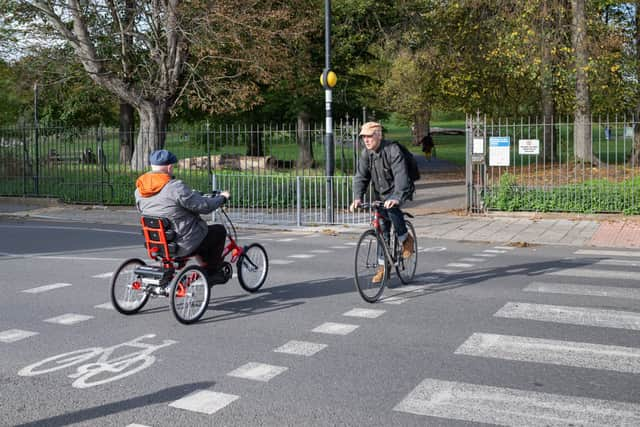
x=407 y=246
x=379 y=275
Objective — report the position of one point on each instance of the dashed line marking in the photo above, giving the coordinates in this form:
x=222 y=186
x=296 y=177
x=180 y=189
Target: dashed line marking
x=300 y=348
x=46 y=288
x=335 y=328
x=301 y=256
x=69 y=319
x=367 y=313
x=257 y=371
x=13 y=335
x=103 y=275
x=204 y=401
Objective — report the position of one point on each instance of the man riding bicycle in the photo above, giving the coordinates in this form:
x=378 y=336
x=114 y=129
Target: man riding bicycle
x=382 y=164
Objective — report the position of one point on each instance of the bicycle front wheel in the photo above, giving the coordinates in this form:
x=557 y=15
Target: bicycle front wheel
x=253 y=266
x=406 y=267
x=190 y=295
x=371 y=272
x=128 y=294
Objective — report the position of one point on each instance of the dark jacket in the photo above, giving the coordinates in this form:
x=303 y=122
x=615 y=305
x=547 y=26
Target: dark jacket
x=386 y=170
x=158 y=194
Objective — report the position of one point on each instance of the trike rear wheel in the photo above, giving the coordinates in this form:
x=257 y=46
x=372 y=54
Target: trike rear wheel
x=190 y=294
x=253 y=266
x=128 y=293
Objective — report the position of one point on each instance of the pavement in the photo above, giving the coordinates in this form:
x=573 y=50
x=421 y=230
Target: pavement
x=438 y=208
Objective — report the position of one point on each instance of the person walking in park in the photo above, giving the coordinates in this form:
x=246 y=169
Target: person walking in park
x=427 y=146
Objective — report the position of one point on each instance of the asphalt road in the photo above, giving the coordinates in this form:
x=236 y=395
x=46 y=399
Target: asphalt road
x=485 y=335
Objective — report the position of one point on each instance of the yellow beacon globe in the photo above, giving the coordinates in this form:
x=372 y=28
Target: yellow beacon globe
x=332 y=79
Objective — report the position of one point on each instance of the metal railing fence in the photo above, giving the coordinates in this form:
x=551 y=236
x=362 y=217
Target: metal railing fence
x=94 y=165
x=536 y=165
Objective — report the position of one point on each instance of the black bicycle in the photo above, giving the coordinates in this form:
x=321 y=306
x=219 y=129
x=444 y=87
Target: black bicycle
x=375 y=256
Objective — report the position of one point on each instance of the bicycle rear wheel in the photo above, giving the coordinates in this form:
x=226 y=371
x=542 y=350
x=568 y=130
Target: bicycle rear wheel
x=371 y=274
x=253 y=266
x=190 y=295
x=128 y=294
x=406 y=267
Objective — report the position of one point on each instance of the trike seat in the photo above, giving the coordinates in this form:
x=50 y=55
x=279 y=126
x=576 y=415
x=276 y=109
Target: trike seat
x=158 y=238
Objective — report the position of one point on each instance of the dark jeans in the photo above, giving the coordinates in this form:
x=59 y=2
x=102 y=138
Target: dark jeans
x=395 y=216
x=209 y=253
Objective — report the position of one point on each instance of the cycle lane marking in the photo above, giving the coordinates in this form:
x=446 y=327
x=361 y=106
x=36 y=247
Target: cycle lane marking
x=367 y=313
x=586 y=290
x=13 y=335
x=333 y=328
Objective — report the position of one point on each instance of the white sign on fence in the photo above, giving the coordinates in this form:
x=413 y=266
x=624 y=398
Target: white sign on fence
x=478 y=145
x=499 y=150
x=529 y=146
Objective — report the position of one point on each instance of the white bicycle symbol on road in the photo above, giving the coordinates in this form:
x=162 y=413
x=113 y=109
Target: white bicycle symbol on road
x=103 y=370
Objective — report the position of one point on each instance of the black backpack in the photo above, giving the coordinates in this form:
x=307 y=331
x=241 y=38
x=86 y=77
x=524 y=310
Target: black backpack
x=410 y=162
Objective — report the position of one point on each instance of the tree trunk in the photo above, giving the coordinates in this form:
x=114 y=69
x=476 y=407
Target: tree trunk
x=303 y=137
x=635 y=155
x=255 y=147
x=549 y=144
x=582 y=115
x=422 y=128
x=126 y=132
x=152 y=133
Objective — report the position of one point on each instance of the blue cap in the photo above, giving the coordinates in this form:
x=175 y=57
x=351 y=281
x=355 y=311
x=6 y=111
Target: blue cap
x=162 y=158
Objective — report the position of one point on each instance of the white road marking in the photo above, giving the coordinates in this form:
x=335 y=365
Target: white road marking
x=504 y=248
x=494 y=251
x=105 y=306
x=445 y=271
x=257 y=371
x=288 y=239
x=339 y=247
x=351 y=243
x=46 y=288
x=588 y=290
x=78 y=258
x=335 y=328
x=280 y=261
x=508 y=406
x=69 y=319
x=592 y=273
x=571 y=315
x=555 y=352
x=459 y=265
x=471 y=259
x=301 y=256
x=321 y=251
x=393 y=300
x=434 y=249
x=367 y=313
x=412 y=288
x=13 y=335
x=136 y=425
x=485 y=255
x=300 y=348
x=103 y=275
x=607 y=253
x=204 y=401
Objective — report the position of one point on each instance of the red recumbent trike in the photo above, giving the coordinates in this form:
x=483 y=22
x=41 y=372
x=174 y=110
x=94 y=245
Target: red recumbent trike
x=187 y=286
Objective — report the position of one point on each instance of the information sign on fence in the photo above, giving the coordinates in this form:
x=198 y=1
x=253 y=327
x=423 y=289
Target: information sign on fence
x=499 y=150
x=478 y=146
x=529 y=146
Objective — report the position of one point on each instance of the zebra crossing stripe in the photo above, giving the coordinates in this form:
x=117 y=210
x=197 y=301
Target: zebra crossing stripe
x=46 y=288
x=607 y=253
x=554 y=352
x=587 y=290
x=508 y=406
x=596 y=274
x=583 y=316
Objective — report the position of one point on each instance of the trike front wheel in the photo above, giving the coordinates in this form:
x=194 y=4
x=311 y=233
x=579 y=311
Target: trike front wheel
x=190 y=295
x=253 y=266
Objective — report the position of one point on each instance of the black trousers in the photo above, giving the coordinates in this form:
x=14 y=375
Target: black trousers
x=209 y=253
